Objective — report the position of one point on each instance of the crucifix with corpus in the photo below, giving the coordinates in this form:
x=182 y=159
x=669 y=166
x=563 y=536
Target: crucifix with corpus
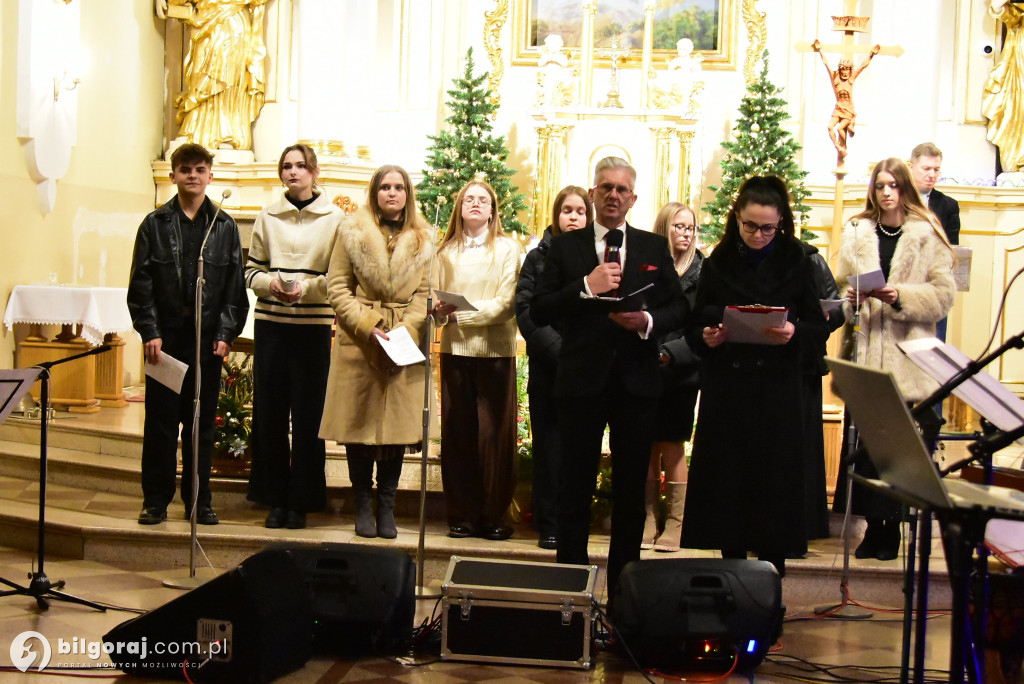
x=843 y=118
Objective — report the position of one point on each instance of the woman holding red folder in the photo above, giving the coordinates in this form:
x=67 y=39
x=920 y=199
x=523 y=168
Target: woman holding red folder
x=746 y=471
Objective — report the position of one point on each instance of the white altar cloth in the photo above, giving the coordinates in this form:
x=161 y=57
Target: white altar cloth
x=99 y=310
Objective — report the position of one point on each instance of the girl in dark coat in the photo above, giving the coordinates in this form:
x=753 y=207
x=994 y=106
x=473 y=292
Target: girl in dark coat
x=572 y=209
x=747 y=466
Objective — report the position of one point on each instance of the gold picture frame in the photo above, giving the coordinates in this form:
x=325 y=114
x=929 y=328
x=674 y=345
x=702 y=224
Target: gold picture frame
x=625 y=19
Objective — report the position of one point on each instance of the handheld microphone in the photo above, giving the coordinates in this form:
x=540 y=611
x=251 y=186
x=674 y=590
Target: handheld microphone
x=613 y=240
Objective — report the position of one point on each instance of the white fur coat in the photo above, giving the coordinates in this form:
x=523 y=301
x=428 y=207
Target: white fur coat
x=922 y=273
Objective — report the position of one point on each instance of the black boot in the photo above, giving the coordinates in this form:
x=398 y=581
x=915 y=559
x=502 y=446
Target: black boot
x=388 y=472
x=360 y=471
x=872 y=536
x=889 y=540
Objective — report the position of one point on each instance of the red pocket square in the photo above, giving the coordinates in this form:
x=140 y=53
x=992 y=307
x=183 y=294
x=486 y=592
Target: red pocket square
x=648 y=267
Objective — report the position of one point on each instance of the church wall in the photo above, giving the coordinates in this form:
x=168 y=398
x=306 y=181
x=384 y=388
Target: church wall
x=87 y=239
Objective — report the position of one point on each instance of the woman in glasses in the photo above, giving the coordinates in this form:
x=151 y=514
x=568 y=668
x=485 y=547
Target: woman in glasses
x=680 y=368
x=478 y=366
x=897 y=234
x=747 y=466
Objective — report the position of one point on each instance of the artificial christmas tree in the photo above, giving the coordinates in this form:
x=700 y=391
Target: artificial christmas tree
x=467 y=151
x=761 y=147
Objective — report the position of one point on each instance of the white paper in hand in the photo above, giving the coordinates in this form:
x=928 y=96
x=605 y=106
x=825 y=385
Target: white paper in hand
x=400 y=347
x=866 y=282
x=455 y=299
x=169 y=372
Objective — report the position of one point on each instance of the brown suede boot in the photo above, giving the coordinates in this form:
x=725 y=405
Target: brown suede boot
x=651 y=505
x=675 y=498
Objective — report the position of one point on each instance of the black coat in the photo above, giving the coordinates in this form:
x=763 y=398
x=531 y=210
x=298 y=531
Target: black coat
x=156 y=287
x=947 y=210
x=747 y=471
x=543 y=342
x=683 y=369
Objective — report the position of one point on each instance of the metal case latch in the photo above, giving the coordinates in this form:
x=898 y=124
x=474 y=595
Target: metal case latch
x=566 y=611
x=465 y=604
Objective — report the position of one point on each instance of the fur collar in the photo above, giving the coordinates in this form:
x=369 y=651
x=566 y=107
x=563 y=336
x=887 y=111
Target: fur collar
x=368 y=249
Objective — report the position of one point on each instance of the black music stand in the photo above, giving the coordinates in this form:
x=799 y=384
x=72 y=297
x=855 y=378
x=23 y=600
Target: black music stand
x=14 y=384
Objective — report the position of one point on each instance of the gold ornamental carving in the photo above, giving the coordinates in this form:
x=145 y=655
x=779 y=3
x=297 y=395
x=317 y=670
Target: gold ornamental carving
x=757 y=34
x=551 y=150
x=493 y=23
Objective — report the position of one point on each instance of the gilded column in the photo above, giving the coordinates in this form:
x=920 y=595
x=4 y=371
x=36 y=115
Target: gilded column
x=685 y=140
x=645 y=68
x=662 y=162
x=550 y=169
x=587 y=53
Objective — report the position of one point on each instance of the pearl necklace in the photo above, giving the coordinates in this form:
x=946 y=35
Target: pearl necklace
x=893 y=234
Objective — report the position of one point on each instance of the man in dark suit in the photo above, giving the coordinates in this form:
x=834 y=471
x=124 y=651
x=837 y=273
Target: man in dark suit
x=925 y=167
x=608 y=368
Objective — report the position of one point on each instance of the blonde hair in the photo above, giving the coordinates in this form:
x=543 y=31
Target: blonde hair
x=662 y=225
x=910 y=199
x=455 y=231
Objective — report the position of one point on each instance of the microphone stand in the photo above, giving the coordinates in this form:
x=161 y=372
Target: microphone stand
x=40 y=587
x=191 y=582
x=428 y=371
x=844 y=609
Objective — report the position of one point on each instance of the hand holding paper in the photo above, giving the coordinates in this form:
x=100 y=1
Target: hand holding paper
x=400 y=347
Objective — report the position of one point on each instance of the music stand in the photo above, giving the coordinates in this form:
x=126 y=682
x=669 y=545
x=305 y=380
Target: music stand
x=14 y=384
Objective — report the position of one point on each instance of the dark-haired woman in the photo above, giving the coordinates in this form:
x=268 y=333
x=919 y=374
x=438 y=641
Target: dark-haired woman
x=572 y=210
x=290 y=249
x=897 y=234
x=377 y=283
x=747 y=466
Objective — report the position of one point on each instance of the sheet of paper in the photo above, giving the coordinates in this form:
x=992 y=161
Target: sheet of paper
x=962 y=268
x=286 y=285
x=633 y=294
x=746 y=324
x=831 y=304
x=866 y=282
x=460 y=302
x=983 y=393
x=169 y=372
x=400 y=347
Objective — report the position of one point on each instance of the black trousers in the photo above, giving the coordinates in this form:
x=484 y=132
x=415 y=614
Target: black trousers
x=546 y=447
x=290 y=366
x=169 y=415
x=631 y=421
x=478 y=438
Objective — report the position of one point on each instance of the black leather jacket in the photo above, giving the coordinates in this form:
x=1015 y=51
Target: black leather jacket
x=156 y=299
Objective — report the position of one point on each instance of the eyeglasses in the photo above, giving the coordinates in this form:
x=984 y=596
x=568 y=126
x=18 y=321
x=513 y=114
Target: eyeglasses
x=685 y=228
x=751 y=227
x=470 y=201
x=609 y=188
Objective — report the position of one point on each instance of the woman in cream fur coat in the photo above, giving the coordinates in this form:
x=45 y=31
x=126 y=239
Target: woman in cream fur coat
x=898 y=234
x=376 y=283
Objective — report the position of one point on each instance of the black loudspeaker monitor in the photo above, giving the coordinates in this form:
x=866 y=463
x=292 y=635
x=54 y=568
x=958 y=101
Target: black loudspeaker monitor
x=699 y=613
x=251 y=624
x=363 y=597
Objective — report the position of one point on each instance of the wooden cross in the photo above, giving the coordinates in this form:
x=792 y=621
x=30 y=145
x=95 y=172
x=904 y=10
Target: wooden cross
x=843 y=77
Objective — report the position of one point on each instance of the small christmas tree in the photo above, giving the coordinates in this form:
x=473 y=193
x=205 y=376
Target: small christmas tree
x=466 y=152
x=761 y=148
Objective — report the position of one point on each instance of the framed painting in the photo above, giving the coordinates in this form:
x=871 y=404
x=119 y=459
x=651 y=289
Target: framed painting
x=710 y=24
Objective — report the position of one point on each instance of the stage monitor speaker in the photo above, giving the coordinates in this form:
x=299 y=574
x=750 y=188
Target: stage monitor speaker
x=364 y=598
x=251 y=624
x=699 y=613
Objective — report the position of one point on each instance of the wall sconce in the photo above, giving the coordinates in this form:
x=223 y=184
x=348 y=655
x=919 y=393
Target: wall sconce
x=64 y=83
x=48 y=59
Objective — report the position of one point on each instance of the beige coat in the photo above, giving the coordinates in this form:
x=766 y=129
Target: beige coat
x=922 y=273
x=369 y=399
